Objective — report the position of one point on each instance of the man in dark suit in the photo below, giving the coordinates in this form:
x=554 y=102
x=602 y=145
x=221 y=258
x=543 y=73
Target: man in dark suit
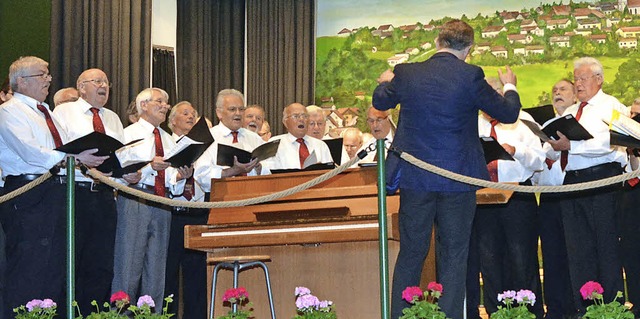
x=440 y=101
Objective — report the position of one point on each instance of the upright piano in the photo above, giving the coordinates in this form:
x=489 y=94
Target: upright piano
x=324 y=238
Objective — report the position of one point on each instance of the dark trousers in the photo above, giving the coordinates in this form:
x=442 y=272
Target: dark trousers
x=451 y=213
x=630 y=242
x=556 y=286
x=508 y=249
x=95 y=234
x=591 y=236
x=35 y=226
x=193 y=264
x=473 y=277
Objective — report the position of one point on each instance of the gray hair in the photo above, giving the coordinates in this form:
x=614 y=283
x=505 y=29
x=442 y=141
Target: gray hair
x=146 y=95
x=594 y=65
x=19 y=68
x=227 y=92
x=174 y=110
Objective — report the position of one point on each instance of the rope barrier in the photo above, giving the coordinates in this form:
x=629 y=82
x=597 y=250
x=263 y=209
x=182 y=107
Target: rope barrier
x=328 y=175
x=25 y=188
x=236 y=203
x=518 y=188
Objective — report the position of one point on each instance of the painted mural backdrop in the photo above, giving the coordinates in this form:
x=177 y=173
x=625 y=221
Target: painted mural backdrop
x=358 y=39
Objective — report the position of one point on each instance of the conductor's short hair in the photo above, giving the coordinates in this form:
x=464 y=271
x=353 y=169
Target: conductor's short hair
x=455 y=34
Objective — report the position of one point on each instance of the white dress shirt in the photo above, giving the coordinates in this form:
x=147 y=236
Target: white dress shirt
x=26 y=144
x=144 y=130
x=198 y=192
x=76 y=120
x=372 y=141
x=287 y=156
x=206 y=167
x=529 y=157
x=598 y=150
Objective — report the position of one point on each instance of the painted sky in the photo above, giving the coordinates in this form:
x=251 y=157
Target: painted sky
x=333 y=15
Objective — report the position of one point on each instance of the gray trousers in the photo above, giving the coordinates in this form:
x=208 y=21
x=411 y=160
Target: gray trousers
x=142 y=242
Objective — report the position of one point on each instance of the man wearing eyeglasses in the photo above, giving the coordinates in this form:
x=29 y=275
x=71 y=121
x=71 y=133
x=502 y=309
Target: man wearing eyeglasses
x=379 y=125
x=296 y=146
x=95 y=204
x=35 y=221
x=589 y=217
x=230 y=110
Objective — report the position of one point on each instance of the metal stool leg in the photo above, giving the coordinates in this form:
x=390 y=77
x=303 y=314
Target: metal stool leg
x=266 y=276
x=213 y=289
x=236 y=271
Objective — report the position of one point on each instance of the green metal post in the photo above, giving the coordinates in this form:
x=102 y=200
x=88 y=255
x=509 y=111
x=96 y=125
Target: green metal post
x=382 y=234
x=71 y=258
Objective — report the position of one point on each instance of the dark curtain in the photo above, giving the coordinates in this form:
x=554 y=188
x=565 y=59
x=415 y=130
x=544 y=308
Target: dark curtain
x=210 y=51
x=164 y=72
x=114 y=36
x=280 y=55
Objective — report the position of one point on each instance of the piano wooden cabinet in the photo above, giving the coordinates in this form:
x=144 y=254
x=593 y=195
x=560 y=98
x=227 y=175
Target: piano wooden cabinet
x=324 y=238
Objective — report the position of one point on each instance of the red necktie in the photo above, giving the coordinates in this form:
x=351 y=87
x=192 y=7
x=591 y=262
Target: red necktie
x=492 y=167
x=97 y=122
x=303 y=151
x=158 y=186
x=189 y=189
x=52 y=126
x=235 y=137
x=564 y=155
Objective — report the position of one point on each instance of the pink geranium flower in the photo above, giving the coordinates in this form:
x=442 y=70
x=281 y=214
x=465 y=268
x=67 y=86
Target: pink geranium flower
x=411 y=294
x=590 y=289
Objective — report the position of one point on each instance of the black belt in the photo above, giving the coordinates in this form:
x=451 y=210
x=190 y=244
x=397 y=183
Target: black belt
x=93 y=186
x=595 y=169
x=25 y=178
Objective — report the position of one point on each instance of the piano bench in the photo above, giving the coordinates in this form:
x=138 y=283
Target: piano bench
x=237 y=264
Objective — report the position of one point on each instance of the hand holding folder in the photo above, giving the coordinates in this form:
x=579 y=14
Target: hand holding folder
x=191 y=146
x=567 y=125
x=493 y=150
x=262 y=152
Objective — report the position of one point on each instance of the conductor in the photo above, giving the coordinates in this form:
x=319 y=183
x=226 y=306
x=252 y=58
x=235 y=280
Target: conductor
x=440 y=99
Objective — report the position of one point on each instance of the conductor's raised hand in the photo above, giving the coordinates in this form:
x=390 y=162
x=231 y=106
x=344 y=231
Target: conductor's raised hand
x=386 y=76
x=508 y=76
x=87 y=158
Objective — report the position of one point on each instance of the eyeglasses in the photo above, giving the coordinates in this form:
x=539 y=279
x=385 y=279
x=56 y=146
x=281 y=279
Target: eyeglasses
x=98 y=82
x=234 y=109
x=159 y=101
x=302 y=116
x=376 y=121
x=44 y=76
x=585 y=78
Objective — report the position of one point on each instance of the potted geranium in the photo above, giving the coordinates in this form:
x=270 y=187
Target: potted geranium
x=309 y=306
x=424 y=304
x=592 y=290
x=515 y=305
x=36 y=309
x=240 y=298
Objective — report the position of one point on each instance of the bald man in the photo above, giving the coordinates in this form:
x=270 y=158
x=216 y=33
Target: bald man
x=379 y=123
x=296 y=146
x=65 y=95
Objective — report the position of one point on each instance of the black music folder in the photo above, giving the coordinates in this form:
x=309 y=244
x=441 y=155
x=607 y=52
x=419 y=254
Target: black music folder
x=335 y=147
x=567 y=125
x=191 y=146
x=541 y=114
x=312 y=167
x=105 y=144
x=493 y=150
x=262 y=152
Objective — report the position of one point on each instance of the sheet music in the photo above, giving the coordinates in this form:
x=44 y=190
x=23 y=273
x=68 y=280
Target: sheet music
x=311 y=159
